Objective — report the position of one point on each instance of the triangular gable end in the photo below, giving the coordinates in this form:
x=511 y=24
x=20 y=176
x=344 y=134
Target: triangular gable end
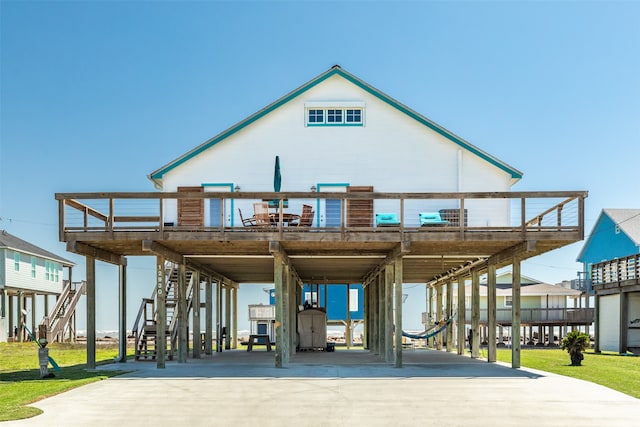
x=629 y=225
x=157 y=176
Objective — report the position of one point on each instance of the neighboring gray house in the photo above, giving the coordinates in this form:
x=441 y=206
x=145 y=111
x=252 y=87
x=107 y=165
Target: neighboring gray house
x=28 y=273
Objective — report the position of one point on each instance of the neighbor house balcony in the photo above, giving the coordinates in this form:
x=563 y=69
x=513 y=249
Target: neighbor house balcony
x=620 y=274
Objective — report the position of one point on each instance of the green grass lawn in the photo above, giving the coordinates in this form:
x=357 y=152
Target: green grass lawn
x=621 y=373
x=20 y=382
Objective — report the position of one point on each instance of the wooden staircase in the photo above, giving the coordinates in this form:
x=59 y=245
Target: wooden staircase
x=59 y=318
x=145 y=327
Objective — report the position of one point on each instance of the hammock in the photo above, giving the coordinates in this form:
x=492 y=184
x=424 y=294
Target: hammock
x=430 y=332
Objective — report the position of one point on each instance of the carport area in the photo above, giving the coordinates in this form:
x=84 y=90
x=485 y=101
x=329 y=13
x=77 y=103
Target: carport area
x=344 y=388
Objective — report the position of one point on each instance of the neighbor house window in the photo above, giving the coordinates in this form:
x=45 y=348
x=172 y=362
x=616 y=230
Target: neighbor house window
x=16 y=261
x=33 y=267
x=328 y=114
x=51 y=271
x=508 y=301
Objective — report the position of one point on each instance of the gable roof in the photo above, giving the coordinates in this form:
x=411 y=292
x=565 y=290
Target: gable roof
x=627 y=219
x=11 y=242
x=157 y=175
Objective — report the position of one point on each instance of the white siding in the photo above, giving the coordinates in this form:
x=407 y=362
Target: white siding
x=609 y=323
x=392 y=152
x=22 y=278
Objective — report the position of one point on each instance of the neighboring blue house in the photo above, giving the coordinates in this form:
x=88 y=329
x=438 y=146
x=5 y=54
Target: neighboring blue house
x=611 y=259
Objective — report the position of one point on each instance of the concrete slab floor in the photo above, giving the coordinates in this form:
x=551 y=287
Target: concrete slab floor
x=343 y=388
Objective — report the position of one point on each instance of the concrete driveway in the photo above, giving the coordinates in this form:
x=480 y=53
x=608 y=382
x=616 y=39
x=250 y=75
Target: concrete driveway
x=344 y=388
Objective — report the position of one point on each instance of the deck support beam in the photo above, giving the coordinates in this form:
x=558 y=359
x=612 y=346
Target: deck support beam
x=208 y=315
x=398 y=310
x=491 y=312
x=380 y=346
x=91 y=311
x=122 y=314
x=183 y=318
x=227 y=317
x=195 y=314
x=515 y=314
x=449 y=330
x=234 y=320
x=439 y=315
x=161 y=313
x=388 y=313
x=461 y=315
x=475 y=313
x=219 y=343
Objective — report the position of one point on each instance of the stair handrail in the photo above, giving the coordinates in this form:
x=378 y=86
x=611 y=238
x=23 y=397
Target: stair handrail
x=47 y=320
x=61 y=322
x=173 y=326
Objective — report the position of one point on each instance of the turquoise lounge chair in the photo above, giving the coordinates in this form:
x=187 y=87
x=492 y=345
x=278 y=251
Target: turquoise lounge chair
x=387 y=219
x=431 y=218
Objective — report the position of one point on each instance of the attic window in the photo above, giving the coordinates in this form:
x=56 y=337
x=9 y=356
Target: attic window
x=334 y=114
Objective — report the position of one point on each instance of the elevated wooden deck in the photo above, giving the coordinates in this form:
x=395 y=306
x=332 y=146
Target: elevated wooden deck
x=110 y=226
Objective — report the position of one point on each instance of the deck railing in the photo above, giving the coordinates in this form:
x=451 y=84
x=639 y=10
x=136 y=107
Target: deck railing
x=220 y=211
x=541 y=315
x=621 y=271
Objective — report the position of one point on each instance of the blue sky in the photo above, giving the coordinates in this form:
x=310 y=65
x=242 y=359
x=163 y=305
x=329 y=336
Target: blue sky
x=96 y=95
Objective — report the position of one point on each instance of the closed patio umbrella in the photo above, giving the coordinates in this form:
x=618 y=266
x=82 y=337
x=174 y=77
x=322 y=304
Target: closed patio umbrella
x=277 y=178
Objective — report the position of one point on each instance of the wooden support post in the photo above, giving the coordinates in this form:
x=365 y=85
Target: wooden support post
x=449 y=330
x=219 y=342
x=367 y=317
x=161 y=313
x=515 y=314
x=91 y=312
x=282 y=350
x=624 y=322
x=461 y=316
x=208 y=309
x=475 y=313
x=20 y=316
x=347 y=330
x=388 y=321
x=11 y=313
x=195 y=315
x=34 y=328
x=491 y=312
x=292 y=308
x=380 y=347
x=398 y=310
x=227 y=317
x=183 y=322
x=596 y=326
x=439 y=298
x=234 y=331
x=430 y=291
x=122 y=314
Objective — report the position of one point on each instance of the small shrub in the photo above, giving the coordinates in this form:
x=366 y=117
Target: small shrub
x=575 y=343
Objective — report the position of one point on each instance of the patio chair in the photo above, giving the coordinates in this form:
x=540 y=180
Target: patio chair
x=431 y=218
x=306 y=218
x=261 y=214
x=247 y=222
x=387 y=219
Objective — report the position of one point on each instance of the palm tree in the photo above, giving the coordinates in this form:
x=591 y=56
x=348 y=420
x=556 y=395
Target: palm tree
x=575 y=343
